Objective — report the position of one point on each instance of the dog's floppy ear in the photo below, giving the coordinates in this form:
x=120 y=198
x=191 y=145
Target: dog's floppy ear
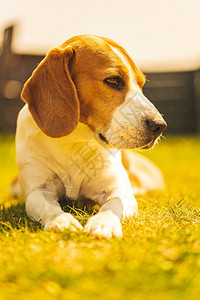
x=51 y=94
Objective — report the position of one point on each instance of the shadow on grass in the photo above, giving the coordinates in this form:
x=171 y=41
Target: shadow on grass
x=13 y=215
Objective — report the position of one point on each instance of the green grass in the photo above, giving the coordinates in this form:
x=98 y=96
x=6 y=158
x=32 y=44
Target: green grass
x=158 y=257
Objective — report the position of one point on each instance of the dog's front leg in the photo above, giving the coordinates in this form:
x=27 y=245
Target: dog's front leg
x=114 y=209
x=111 y=189
x=41 y=191
x=43 y=206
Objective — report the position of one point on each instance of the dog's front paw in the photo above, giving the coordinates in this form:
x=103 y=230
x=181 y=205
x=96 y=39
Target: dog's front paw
x=62 y=222
x=104 y=224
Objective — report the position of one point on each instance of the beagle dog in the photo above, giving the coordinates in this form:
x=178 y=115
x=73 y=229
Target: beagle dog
x=84 y=104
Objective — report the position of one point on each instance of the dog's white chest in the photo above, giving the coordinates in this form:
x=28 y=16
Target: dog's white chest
x=82 y=163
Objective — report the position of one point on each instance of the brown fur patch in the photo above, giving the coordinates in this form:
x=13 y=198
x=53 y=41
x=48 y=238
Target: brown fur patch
x=51 y=95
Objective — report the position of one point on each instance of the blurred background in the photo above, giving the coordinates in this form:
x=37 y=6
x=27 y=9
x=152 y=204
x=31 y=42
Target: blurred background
x=161 y=36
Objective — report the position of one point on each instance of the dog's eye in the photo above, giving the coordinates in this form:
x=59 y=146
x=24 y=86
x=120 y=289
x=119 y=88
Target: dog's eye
x=115 y=82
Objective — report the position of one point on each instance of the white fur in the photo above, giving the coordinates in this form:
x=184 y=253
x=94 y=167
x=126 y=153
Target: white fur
x=49 y=167
x=79 y=166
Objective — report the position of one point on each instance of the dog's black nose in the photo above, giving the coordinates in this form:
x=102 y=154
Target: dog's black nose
x=157 y=126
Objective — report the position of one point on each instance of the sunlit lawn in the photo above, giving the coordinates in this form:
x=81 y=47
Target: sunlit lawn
x=158 y=257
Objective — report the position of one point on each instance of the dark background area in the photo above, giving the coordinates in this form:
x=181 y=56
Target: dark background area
x=175 y=94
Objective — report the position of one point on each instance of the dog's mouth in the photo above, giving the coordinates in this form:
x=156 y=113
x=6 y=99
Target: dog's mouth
x=149 y=145
x=103 y=139
x=145 y=146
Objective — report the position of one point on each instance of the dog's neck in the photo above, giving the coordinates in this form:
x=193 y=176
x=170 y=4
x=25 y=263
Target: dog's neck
x=84 y=136
x=81 y=133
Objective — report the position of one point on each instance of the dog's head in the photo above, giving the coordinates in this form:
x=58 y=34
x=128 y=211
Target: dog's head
x=93 y=80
